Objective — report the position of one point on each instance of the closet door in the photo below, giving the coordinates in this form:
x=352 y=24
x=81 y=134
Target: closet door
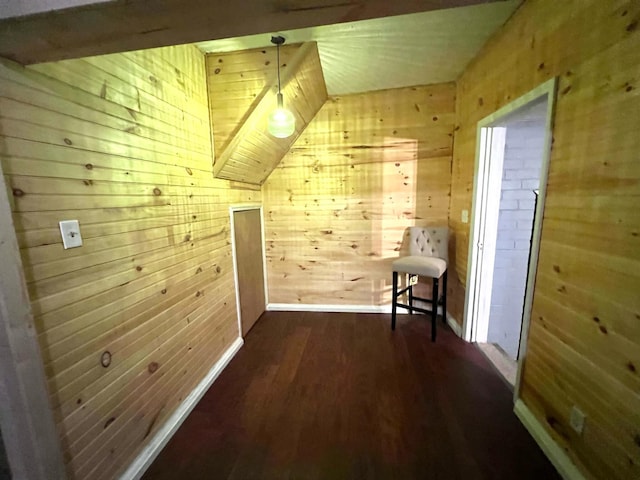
x=248 y=245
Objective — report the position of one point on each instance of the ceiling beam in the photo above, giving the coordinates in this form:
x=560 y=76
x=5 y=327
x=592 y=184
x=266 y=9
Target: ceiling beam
x=116 y=26
x=29 y=7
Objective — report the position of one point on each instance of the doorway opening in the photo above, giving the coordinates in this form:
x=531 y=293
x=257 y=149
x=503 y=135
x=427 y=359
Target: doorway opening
x=509 y=190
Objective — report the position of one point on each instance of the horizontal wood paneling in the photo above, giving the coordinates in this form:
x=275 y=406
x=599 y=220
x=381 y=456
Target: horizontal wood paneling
x=585 y=327
x=121 y=143
x=367 y=167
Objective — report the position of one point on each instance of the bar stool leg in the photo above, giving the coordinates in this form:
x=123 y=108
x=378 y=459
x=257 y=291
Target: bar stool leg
x=410 y=297
x=434 y=309
x=444 y=298
x=394 y=300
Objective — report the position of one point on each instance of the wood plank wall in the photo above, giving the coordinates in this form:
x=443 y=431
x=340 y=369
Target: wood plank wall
x=367 y=167
x=584 y=343
x=122 y=144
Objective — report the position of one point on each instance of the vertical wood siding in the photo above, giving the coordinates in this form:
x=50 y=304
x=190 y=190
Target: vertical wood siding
x=122 y=144
x=366 y=168
x=584 y=341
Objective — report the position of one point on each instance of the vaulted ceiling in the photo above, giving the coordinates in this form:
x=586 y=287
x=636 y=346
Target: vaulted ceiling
x=368 y=55
x=405 y=50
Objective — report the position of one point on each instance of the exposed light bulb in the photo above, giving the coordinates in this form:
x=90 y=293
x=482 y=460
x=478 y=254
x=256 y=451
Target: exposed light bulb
x=281 y=122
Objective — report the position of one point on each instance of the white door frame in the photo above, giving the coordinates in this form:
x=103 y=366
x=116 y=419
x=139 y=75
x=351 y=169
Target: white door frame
x=485 y=224
x=486 y=130
x=31 y=440
x=242 y=208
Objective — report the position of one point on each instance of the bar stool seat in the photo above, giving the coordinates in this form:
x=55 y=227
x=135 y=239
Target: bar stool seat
x=428 y=248
x=422 y=266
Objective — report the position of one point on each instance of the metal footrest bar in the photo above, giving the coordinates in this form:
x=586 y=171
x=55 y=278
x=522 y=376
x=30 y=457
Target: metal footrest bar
x=417 y=309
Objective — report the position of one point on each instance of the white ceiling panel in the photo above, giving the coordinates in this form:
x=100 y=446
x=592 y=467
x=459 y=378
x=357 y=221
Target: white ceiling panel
x=391 y=52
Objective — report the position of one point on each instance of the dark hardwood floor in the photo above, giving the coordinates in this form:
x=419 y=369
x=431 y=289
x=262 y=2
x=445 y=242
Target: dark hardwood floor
x=340 y=396
x=5 y=472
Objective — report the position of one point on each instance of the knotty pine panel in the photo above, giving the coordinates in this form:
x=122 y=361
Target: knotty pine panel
x=234 y=80
x=252 y=153
x=122 y=143
x=585 y=326
x=366 y=168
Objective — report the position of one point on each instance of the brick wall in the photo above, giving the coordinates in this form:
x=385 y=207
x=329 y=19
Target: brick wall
x=520 y=176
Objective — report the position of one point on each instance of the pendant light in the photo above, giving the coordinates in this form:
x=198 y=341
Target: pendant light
x=281 y=122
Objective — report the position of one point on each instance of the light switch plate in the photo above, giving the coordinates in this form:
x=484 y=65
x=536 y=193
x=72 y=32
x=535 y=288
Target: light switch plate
x=70 y=230
x=465 y=216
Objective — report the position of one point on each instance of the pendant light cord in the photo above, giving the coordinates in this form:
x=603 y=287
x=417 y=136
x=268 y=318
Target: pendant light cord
x=281 y=123
x=278 y=59
x=277 y=41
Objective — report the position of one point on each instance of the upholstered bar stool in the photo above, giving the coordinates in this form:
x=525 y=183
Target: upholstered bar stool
x=428 y=257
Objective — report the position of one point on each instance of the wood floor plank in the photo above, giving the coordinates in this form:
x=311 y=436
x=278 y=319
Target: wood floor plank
x=321 y=396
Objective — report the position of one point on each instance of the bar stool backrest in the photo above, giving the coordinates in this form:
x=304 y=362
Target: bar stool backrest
x=429 y=242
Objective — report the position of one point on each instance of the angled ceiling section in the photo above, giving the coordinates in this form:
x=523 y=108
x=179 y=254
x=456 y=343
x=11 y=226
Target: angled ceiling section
x=249 y=154
x=234 y=81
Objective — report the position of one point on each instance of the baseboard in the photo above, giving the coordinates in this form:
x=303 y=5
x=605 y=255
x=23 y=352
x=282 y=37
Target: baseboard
x=551 y=449
x=162 y=437
x=457 y=329
x=311 y=307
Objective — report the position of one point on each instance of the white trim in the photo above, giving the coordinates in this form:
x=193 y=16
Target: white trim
x=457 y=329
x=235 y=271
x=546 y=90
x=312 y=307
x=164 y=434
x=551 y=87
x=549 y=446
x=264 y=258
x=309 y=307
x=243 y=208
x=485 y=220
x=28 y=426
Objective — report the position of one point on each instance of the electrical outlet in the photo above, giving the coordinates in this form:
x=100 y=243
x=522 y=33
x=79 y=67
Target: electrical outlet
x=577 y=419
x=465 y=216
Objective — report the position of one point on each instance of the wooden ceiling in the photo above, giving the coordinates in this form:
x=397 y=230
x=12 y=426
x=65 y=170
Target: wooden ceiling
x=252 y=153
x=116 y=26
x=392 y=52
